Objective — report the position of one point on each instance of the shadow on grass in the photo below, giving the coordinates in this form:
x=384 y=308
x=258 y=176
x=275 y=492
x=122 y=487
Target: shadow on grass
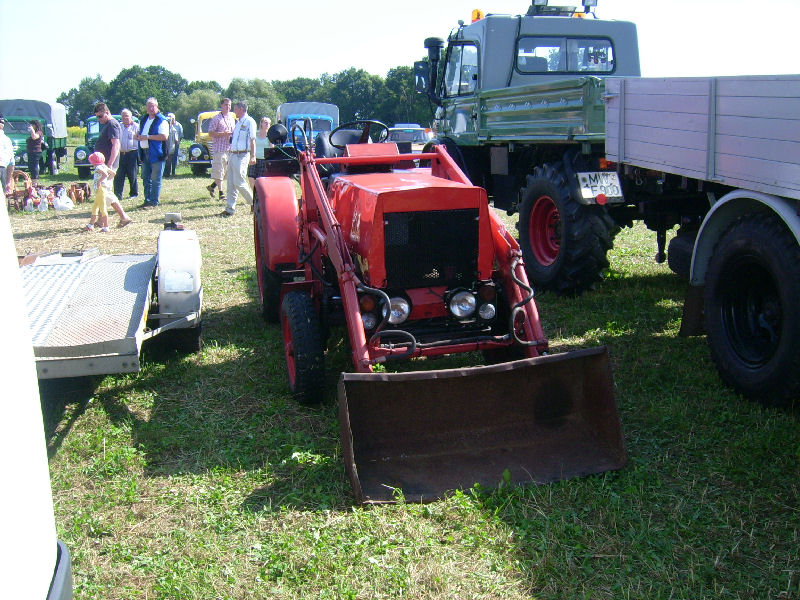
x=227 y=408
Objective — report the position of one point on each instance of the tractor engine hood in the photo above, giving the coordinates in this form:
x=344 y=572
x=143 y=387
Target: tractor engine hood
x=410 y=229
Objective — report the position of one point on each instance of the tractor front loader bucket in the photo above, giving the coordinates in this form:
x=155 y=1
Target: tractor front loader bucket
x=426 y=432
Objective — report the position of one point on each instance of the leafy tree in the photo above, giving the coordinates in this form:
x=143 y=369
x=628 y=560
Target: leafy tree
x=402 y=104
x=299 y=89
x=133 y=86
x=186 y=107
x=261 y=97
x=357 y=93
x=80 y=101
x=204 y=85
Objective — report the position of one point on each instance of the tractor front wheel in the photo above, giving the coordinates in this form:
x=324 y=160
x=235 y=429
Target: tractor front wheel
x=305 y=355
x=564 y=243
x=752 y=287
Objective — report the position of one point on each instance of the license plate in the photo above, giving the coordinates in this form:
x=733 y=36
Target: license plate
x=600 y=182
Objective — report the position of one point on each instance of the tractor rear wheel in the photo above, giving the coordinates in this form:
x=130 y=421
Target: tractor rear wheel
x=269 y=282
x=305 y=355
x=564 y=243
x=752 y=287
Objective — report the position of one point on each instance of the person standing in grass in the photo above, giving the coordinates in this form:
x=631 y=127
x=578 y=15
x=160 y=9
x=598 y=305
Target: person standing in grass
x=128 y=156
x=242 y=154
x=220 y=128
x=34 y=149
x=108 y=144
x=6 y=156
x=152 y=140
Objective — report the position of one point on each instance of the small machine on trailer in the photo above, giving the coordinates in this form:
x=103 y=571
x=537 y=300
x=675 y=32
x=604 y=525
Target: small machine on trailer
x=89 y=312
x=416 y=265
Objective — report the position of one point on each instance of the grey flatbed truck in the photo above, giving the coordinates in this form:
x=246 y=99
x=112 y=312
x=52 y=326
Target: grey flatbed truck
x=89 y=313
x=719 y=157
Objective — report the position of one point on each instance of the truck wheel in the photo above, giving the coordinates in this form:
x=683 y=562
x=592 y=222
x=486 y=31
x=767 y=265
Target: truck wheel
x=564 y=243
x=305 y=358
x=679 y=253
x=752 y=287
x=198 y=169
x=269 y=282
x=84 y=173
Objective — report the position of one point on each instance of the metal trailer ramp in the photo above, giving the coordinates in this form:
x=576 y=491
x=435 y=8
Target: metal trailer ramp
x=87 y=312
x=534 y=420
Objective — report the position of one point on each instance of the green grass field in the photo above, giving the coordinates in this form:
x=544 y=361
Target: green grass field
x=199 y=477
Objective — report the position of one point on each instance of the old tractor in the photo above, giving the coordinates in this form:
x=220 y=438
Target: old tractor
x=415 y=265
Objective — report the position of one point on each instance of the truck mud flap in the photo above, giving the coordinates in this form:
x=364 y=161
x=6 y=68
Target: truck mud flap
x=527 y=421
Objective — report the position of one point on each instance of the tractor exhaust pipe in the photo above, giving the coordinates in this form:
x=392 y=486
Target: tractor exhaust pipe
x=425 y=433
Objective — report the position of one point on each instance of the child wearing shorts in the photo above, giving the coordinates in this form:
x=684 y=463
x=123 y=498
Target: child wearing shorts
x=103 y=192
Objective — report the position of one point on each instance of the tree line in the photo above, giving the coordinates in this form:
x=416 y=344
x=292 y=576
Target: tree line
x=358 y=94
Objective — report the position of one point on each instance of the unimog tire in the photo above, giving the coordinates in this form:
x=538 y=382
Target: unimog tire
x=751 y=292
x=303 y=348
x=564 y=243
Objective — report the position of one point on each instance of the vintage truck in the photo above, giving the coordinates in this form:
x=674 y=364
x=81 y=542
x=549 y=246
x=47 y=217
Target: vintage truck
x=19 y=113
x=199 y=156
x=321 y=115
x=82 y=153
x=593 y=147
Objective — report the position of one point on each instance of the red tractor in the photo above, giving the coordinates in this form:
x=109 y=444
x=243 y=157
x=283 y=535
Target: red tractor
x=416 y=265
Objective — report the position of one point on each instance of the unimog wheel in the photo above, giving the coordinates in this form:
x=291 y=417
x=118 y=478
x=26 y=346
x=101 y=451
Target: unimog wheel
x=269 y=282
x=752 y=287
x=305 y=357
x=564 y=243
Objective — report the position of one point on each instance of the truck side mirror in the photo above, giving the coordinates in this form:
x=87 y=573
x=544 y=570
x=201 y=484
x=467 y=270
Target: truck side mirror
x=421 y=75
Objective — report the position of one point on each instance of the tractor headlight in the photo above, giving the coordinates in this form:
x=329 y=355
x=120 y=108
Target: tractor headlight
x=80 y=154
x=369 y=320
x=25 y=157
x=463 y=304
x=195 y=152
x=487 y=312
x=399 y=309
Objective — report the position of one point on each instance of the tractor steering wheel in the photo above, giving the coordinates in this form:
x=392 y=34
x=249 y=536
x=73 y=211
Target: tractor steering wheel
x=357 y=124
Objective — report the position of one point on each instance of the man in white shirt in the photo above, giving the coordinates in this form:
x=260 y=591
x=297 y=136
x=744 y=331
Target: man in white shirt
x=242 y=154
x=6 y=156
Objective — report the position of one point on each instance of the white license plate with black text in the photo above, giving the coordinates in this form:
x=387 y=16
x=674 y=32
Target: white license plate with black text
x=600 y=182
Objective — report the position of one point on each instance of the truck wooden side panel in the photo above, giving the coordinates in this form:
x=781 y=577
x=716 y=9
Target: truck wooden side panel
x=742 y=131
x=559 y=111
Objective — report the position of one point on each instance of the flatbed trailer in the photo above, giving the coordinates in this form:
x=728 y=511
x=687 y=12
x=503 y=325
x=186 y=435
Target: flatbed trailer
x=89 y=313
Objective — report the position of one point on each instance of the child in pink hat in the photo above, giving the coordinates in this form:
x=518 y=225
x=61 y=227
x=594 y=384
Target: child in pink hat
x=103 y=195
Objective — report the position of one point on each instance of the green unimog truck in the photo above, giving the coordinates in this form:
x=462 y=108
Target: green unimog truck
x=520 y=106
x=19 y=113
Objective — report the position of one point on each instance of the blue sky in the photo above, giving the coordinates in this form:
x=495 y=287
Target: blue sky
x=282 y=40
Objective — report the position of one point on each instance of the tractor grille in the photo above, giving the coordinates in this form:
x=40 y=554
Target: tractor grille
x=430 y=248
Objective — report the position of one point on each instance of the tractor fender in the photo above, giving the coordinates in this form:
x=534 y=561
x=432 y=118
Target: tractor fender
x=277 y=217
x=728 y=209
